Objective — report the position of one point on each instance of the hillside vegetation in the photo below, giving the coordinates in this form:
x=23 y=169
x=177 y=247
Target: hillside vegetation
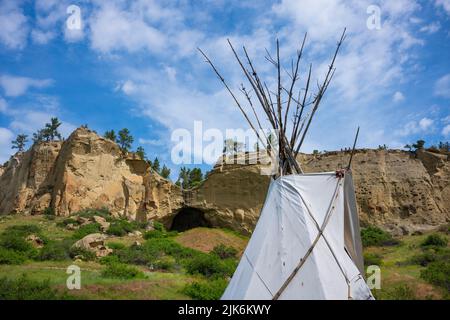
x=153 y=263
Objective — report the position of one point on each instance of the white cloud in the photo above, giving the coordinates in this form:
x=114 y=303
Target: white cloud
x=51 y=17
x=171 y=73
x=414 y=127
x=445 y=4
x=128 y=87
x=13 y=25
x=42 y=37
x=151 y=142
x=3 y=105
x=29 y=121
x=408 y=129
x=425 y=123
x=446 y=119
x=115 y=28
x=6 y=136
x=370 y=60
x=73 y=35
x=431 y=28
x=446 y=130
x=398 y=96
x=442 y=86
x=16 y=86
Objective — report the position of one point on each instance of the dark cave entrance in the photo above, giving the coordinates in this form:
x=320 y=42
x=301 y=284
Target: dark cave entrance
x=189 y=218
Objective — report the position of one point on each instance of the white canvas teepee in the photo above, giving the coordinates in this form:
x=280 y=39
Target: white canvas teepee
x=306 y=244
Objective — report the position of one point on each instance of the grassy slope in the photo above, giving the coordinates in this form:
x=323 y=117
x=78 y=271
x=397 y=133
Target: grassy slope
x=157 y=285
x=205 y=239
x=165 y=285
x=396 y=269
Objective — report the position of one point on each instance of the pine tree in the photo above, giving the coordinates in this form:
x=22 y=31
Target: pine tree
x=140 y=152
x=111 y=135
x=195 y=177
x=419 y=144
x=156 y=165
x=51 y=129
x=19 y=142
x=165 y=172
x=41 y=135
x=183 y=177
x=125 y=140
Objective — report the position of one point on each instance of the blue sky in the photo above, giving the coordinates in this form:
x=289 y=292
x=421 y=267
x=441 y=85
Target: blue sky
x=135 y=65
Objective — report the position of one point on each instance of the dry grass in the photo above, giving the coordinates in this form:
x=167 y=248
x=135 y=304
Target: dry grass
x=205 y=239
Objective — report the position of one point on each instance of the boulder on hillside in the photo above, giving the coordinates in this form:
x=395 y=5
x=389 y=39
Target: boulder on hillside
x=102 y=222
x=95 y=243
x=35 y=241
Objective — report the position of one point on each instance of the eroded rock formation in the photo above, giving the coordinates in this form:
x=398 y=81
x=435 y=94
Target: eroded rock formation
x=85 y=171
x=397 y=190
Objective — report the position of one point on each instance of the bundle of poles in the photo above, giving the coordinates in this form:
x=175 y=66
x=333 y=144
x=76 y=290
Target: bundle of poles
x=287 y=102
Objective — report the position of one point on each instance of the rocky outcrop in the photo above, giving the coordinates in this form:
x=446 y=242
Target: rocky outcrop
x=397 y=190
x=94 y=243
x=232 y=196
x=85 y=171
x=401 y=191
x=24 y=182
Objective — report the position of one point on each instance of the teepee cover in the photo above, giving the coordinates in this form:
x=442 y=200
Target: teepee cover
x=306 y=244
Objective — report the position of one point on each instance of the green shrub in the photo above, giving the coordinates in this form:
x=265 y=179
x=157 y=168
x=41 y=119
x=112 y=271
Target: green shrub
x=11 y=257
x=24 y=288
x=374 y=236
x=89 y=213
x=166 y=263
x=50 y=217
x=86 y=254
x=134 y=255
x=437 y=273
x=424 y=258
x=121 y=271
x=158 y=226
x=206 y=290
x=56 y=251
x=16 y=243
x=210 y=266
x=169 y=247
x=109 y=259
x=155 y=234
x=431 y=254
x=23 y=230
x=67 y=221
x=159 y=253
x=371 y=259
x=122 y=227
x=434 y=240
x=159 y=234
x=400 y=291
x=116 y=245
x=86 y=230
x=224 y=252
x=49 y=212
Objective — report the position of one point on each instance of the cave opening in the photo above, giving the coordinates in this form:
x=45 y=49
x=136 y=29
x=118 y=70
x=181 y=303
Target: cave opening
x=189 y=218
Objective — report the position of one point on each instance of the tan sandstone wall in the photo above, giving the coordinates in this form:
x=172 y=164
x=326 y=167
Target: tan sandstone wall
x=395 y=189
x=85 y=171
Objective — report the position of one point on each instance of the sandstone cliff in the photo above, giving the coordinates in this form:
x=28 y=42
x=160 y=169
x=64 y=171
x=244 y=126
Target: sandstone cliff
x=397 y=190
x=85 y=171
